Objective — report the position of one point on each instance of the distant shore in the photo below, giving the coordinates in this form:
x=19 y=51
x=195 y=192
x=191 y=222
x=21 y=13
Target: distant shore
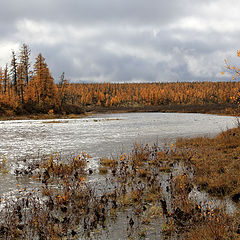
x=224 y=109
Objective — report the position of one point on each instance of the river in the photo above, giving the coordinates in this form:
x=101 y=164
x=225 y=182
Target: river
x=102 y=135
x=99 y=135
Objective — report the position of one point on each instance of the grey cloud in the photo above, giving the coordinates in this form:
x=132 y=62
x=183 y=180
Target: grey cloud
x=134 y=11
x=119 y=40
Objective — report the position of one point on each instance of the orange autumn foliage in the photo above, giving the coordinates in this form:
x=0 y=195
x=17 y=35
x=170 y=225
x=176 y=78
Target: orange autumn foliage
x=37 y=92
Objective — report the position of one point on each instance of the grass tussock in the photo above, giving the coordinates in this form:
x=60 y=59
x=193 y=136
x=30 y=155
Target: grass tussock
x=103 y=170
x=108 y=162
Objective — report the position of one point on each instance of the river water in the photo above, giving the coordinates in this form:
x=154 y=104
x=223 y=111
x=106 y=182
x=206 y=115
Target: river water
x=103 y=135
x=99 y=135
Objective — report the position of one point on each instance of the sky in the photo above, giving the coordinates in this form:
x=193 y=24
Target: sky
x=125 y=40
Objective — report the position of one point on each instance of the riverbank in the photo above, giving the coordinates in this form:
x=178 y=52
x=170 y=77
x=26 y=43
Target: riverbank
x=216 y=162
x=216 y=165
x=218 y=109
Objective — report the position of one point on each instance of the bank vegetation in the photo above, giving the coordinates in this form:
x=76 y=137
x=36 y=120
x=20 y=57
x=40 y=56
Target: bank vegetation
x=29 y=89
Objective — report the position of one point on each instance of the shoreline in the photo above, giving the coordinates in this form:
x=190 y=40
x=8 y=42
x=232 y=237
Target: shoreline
x=216 y=109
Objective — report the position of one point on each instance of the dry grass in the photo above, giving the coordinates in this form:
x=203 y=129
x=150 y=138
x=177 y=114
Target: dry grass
x=216 y=162
x=213 y=228
x=108 y=162
x=103 y=170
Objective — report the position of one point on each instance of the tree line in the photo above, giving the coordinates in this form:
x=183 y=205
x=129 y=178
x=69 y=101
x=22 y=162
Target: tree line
x=30 y=89
x=26 y=88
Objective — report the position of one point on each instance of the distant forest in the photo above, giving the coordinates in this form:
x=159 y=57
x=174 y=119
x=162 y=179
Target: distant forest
x=30 y=89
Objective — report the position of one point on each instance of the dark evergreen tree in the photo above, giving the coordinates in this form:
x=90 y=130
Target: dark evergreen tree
x=14 y=74
x=25 y=62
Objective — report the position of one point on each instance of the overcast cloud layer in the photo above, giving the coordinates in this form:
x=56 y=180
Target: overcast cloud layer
x=125 y=41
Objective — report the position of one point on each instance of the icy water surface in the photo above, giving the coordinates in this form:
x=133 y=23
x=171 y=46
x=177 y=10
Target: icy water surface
x=100 y=135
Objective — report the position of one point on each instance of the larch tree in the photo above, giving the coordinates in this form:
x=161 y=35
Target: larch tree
x=44 y=84
x=20 y=83
x=13 y=71
x=6 y=79
x=235 y=71
x=63 y=90
x=25 y=62
x=1 y=81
